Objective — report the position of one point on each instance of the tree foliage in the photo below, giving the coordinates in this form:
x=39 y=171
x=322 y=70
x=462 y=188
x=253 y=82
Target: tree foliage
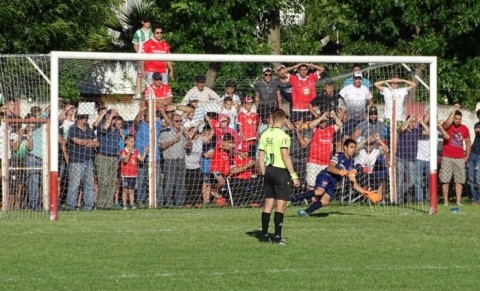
x=446 y=29
x=38 y=26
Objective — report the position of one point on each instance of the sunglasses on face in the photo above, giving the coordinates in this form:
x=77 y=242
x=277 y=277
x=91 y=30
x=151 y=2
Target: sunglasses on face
x=268 y=74
x=158 y=32
x=373 y=113
x=358 y=78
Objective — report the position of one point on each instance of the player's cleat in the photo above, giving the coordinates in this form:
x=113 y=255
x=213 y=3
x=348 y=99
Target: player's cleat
x=265 y=238
x=279 y=240
x=302 y=214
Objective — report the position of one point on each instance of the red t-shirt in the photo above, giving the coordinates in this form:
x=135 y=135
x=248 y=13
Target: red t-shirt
x=220 y=161
x=240 y=162
x=130 y=168
x=321 y=145
x=453 y=147
x=249 y=124
x=152 y=46
x=162 y=92
x=303 y=91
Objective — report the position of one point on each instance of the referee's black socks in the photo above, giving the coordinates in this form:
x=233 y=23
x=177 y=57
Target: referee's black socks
x=265 y=223
x=278 y=220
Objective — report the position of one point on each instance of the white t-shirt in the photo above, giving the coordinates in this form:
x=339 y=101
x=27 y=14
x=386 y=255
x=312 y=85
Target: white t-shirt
x=356 y=99
x=367 y=159
x=400 y=94
x=232 y=114
x=423 y=151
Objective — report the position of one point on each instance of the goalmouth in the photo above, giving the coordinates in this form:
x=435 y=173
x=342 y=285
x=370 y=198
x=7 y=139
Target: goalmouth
x=56 y=56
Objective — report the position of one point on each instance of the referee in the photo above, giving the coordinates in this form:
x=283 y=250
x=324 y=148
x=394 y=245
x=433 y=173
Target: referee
x=276 y=165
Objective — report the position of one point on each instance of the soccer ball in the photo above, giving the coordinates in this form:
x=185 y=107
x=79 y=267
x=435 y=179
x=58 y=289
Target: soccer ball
x=220 y=201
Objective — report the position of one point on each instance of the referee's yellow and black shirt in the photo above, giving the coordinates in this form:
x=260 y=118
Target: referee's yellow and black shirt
x=271 y=142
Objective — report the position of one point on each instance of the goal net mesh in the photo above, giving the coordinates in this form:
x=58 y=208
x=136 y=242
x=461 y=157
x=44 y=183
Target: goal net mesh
x=121 y=149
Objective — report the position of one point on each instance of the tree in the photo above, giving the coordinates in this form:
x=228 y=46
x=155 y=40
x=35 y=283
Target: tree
x=446 y=29
x=38 y=26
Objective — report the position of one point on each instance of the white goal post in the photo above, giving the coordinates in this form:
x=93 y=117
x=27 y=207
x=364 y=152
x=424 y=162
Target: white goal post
x=56 y=56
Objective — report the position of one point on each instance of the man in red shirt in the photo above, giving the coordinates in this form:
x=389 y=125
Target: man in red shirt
x=157 y=45
x=159 y=91
x=303 y=88
x=248 y=122
x=321 y=145
x=453 y=154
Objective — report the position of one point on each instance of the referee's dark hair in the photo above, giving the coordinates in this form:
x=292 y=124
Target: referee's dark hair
x=349 y=141
x=278 y=115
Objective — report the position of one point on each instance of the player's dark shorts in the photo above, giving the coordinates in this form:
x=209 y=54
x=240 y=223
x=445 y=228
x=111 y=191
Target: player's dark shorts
x=129 y=182
x=326 y=182
x=277 y=183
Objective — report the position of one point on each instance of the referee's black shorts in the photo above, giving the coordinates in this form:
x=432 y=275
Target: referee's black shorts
x=277 y=183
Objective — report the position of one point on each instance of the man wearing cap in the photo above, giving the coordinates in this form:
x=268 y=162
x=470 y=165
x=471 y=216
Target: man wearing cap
x=140 y=37
x=82 y=143
x=207 y=98
x=357 y=97
x=266 y=94
x=159 y=91
x=157 y=45
x=284 y=90
x=248 y=122
x=370 y=127
x=329 y=100
x=349 y=81
x=303 y=88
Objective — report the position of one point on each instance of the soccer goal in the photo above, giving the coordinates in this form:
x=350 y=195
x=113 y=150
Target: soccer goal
x=182 y=179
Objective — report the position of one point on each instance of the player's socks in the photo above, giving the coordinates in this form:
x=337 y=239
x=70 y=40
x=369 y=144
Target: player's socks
x=305 y=195
x=278 y=220
x=314 y=206
x=265 y=223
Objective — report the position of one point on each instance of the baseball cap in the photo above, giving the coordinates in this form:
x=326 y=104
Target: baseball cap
x=248 y=100
x=200 y=79
x=358 y=74
x=224 y=117
x=281 y=67
x=69 y=107
x=373 y=109
x=328 y=81
x=193 y=98
x=266 y=69
x=157 y=76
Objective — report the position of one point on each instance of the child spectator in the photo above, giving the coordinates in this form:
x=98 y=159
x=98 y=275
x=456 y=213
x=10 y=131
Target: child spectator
x=230 y=92
x=221 y=161
x=229 y=110
x=129 y=170
x=248 y=122
x=209 y=144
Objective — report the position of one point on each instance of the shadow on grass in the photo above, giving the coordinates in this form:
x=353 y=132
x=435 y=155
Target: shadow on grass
x=326 y=213
x=256 y=234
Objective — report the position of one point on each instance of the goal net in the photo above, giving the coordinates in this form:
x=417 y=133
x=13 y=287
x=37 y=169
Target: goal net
x=195 y=143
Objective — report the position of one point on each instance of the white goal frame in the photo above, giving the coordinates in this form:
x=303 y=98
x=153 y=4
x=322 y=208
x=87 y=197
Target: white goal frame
x=55 y=56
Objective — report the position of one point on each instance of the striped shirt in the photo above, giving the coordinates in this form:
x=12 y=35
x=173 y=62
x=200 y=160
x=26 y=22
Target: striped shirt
x=141 y=36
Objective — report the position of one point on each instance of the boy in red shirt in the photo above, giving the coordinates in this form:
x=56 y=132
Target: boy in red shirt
x=248 y=122
x=129 y=169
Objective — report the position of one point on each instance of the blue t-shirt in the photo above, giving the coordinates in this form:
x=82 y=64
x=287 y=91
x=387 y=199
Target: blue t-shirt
x=407 y=144
x=108 y=140
x=142 y=137
x=78 y=153
x=476 y=141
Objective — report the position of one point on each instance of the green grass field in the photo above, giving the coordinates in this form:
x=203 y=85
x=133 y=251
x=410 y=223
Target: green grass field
x=341 y=248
